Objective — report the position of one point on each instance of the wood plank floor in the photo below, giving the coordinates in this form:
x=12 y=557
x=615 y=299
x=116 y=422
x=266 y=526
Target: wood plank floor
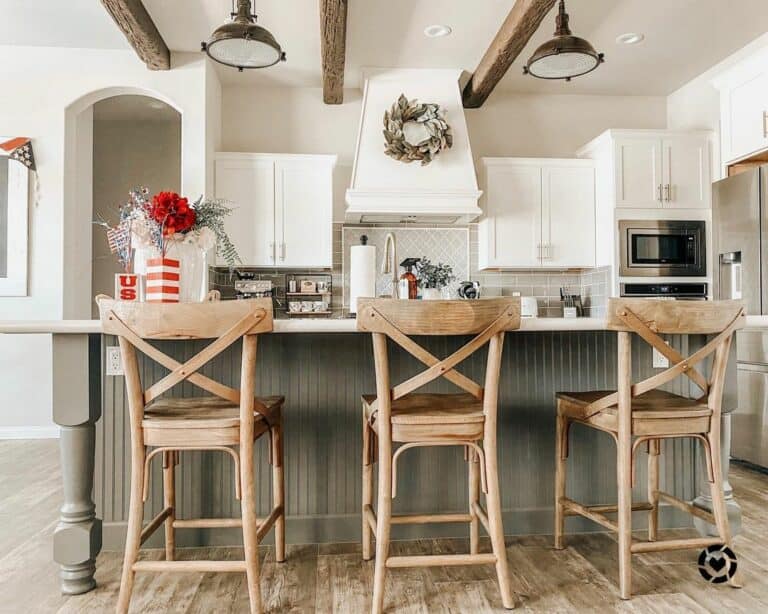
x=332 y=578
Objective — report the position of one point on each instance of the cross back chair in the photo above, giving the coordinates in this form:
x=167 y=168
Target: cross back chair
x=228 y=421
x=641 y=413
x=398 y=414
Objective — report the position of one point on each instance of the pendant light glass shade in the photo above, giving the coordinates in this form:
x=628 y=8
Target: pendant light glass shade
x=564 y=56
x=243 y=44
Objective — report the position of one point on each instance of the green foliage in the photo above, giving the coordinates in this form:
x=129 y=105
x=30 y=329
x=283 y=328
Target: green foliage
x=434 y=275
x=210 y=214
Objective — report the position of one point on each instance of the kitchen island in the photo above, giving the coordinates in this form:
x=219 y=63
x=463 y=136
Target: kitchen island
x=322 y=367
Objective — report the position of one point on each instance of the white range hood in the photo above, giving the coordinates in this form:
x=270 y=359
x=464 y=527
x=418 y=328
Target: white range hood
x=385 y=190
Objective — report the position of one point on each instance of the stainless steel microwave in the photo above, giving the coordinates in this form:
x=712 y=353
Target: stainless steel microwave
x=662 y=248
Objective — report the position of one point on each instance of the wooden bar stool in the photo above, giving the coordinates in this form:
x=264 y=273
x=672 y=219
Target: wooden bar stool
x=230 y=422
x=640 y=413
x=400 y=415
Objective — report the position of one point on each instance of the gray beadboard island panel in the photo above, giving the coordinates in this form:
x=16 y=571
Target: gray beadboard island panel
x=322 y=377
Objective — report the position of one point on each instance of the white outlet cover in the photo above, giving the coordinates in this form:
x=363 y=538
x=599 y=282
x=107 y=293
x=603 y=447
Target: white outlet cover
x=659 y=360
x=114 y=364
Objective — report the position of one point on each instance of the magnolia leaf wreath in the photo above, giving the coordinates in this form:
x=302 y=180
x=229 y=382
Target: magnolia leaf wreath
x=427 y=121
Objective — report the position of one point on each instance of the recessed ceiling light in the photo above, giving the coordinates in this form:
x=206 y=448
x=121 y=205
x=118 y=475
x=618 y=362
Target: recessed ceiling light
x=630 y=38
x=437 y=30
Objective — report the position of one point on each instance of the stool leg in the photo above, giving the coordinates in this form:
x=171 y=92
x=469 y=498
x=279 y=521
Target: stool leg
x=473 y=463
x=250 y=527
x=624 y=483
x=278 y=491
x=719 y=509
x=383 y=520
x=493 y=500
x=135 y=520
x=561 y=463
x=654 y=449
x=367 y=487
x=169 y=500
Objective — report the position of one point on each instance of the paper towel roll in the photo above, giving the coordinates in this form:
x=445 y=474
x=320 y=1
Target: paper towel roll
x=362 y=273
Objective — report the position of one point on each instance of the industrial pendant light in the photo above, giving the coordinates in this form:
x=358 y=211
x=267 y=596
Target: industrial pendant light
x=243 y=44
x=565 y=56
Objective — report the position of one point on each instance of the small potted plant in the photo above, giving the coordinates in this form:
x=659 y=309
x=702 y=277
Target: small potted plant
x=433 y=278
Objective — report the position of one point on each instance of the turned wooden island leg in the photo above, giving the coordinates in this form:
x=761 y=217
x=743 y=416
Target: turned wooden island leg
x=76 y=408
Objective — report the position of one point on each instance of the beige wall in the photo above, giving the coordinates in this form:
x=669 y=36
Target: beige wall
x=126 y=154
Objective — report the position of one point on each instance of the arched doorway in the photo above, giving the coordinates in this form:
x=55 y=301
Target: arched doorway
x=79 y=181
x=136 y=142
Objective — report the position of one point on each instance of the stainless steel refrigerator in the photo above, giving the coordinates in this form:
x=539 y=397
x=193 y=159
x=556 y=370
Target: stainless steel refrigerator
x=740 y=242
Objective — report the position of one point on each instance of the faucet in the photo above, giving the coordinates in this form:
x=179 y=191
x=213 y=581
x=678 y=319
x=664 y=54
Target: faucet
x=389 y=264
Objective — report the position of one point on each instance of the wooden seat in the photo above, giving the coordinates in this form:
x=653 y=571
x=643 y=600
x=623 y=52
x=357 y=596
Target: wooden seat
x=419 y=417
x=200 y=420
x=401 y=415
x=641 y=413
x=656 y=411
x=230 y=422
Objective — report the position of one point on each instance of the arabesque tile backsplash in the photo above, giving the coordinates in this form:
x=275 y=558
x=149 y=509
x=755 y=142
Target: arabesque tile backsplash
x=458 y=247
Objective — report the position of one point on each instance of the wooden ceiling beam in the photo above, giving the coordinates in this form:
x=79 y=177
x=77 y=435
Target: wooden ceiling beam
x=333 y=43
x=523 y=20
x=142 y=33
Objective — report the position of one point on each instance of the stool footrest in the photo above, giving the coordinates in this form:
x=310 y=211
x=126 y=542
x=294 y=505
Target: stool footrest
x=190 y=566
x=153 y=525
x=441 y=560
x=675 y=544
x=429 y=518
x=207 y=523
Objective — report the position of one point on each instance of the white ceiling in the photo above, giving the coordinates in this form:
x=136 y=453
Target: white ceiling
x=59 y=23
x=683 y=37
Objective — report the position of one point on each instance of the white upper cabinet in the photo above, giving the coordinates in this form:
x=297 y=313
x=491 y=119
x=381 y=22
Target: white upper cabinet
x=248 y=184
x=653 y=169
x=744 y=110
x=538 y=213
x=283 y=208
x=568 y=216
x=686 y=178
x=638 y=171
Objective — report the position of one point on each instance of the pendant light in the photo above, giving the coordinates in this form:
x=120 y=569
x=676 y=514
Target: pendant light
x=565 y=56
x=241 y=43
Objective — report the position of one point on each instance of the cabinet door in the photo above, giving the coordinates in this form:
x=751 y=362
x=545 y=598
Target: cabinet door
x=513 y=216
x=686 y=175
x=747 y=108
x=568 y=217
x=638 y=172
x=248 y=184
x=304 y=210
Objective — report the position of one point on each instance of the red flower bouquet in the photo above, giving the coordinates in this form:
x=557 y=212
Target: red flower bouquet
x=172 y=212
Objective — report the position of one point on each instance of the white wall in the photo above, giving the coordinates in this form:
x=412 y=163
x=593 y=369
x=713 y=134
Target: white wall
x=295 y=120
x=45 y=92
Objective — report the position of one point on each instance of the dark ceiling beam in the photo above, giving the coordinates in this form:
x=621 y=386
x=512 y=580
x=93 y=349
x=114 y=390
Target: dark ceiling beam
x=523 y=20
x=134 y=21
x=333 y=43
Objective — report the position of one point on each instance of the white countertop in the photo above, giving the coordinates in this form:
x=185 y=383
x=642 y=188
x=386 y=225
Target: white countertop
x=295 y=325
x=314 y=325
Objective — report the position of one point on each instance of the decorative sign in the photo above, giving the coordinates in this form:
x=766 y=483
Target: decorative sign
x=126 y=287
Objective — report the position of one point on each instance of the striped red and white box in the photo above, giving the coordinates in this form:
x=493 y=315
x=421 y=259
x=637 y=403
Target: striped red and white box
x=162 y=282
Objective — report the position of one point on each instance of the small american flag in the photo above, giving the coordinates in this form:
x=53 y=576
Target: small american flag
x=119 y=237
x=20 y=149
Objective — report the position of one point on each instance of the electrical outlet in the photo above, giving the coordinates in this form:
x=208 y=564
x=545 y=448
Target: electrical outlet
x=114 y=363
x=659 y=360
